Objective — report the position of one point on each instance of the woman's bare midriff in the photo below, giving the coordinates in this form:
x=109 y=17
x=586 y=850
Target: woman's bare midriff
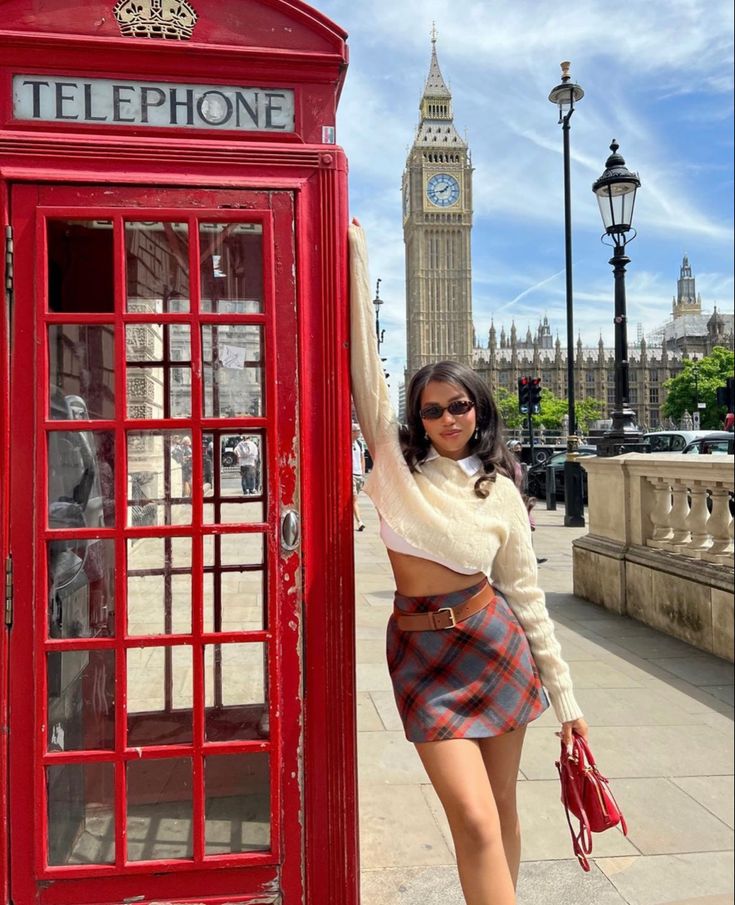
x=417 y=577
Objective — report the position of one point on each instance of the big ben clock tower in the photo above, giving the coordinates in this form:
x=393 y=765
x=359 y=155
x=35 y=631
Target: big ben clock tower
x=437 y=223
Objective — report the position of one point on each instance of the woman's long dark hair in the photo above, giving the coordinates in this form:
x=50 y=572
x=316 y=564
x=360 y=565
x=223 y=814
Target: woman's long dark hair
x=486 y=443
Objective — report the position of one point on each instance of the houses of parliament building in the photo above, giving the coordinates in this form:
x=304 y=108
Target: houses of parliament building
x=437 y=226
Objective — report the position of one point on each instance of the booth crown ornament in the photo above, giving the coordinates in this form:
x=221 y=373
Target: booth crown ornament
x=155 y=19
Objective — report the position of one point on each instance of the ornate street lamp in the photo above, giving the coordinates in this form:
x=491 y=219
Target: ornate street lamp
x=616 y=190
x=564 y=96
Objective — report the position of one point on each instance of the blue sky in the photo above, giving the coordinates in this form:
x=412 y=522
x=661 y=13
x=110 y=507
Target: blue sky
x=657 y=76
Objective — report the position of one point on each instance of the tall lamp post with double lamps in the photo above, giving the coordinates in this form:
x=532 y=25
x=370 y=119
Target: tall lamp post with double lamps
x=616 y=190
x=564 y=96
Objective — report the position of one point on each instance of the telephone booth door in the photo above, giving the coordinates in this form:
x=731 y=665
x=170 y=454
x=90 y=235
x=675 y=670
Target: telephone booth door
x=155 y=681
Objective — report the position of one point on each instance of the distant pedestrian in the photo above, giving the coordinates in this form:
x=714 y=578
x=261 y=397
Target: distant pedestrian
x=358 y=474
x=248 y=455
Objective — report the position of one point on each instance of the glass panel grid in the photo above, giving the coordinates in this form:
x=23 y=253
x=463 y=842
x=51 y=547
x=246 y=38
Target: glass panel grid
x=152 y=499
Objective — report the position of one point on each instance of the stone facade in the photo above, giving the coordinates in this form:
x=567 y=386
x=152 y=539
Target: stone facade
x=653 y=360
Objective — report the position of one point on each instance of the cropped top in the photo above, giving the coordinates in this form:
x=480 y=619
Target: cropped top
x=399 y=544
x=435 y=508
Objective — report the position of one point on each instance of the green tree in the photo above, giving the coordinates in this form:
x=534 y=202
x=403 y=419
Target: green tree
x=685 y=390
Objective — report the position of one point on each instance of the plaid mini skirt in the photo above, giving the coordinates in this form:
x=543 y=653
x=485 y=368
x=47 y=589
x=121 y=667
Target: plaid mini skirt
x=475 y=680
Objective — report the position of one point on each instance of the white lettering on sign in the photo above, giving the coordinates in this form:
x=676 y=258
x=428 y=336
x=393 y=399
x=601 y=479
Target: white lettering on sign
x=118 y=102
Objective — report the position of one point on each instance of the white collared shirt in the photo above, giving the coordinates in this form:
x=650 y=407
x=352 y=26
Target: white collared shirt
x=470 y=465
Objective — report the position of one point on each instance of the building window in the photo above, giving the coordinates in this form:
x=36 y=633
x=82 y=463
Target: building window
x=633 y=396
x=653 y=395
x=653 y=375
x=611 y=396
x=654 y=418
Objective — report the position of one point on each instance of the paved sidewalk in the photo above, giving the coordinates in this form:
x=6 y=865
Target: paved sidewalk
x=661 y=714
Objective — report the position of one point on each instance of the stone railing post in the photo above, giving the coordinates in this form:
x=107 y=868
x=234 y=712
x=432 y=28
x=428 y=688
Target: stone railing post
x=660 y=514
x=697 y=522
x=719 y=528
x=681 y=535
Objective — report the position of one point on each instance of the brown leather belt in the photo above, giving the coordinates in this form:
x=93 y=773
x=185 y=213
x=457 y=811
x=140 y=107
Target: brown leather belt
x=447 y=617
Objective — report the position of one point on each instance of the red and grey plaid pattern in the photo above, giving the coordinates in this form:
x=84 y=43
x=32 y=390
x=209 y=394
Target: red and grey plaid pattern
x=472 y=681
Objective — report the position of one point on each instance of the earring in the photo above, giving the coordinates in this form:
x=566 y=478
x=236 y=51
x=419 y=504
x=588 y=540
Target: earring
x=476 y=434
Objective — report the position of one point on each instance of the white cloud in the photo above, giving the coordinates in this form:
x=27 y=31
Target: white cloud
x=654 y=76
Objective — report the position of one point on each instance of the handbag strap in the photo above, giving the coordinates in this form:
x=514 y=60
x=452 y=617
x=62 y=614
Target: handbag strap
x=582 y=840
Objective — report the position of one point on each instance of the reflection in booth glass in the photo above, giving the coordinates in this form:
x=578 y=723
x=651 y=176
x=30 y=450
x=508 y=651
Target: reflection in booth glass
x=82 y=365
x=231 y=267
x=157 y=256
x=232 y=370
x=81 y=485
x=159 y=478
x=158 y=364
x=233 y=467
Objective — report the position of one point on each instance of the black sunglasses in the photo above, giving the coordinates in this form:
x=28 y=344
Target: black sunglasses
x=434 y=411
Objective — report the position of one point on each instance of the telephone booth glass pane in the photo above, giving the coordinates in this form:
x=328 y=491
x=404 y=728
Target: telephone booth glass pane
x=157 y=261
x=232 y=369
x=159 y=702
x=234 y=484
x=234 y=687
x=81 y=371
x=159 y=819
x=237 y=803
x=80 y=266
x=81 y=479
x=81 y=813
x=159 y=586
x=81 y=587
x=231 y=267
x=158 y=370
x=159 y=478
x=81 y=700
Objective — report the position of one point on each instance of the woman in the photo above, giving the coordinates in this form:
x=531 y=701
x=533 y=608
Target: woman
x=464 y=656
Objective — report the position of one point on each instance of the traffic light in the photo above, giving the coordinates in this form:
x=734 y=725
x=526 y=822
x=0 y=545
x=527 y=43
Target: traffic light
x=535 y=395
x=524 y=394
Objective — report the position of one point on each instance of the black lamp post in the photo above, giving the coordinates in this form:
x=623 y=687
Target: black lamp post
x=564 y=97
x=379 y=334
x=616 y=190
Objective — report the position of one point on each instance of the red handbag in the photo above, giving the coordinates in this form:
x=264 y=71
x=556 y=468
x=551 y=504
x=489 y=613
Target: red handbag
x=585 y=792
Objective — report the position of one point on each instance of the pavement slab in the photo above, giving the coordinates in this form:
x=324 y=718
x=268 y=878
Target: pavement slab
x=661 y=719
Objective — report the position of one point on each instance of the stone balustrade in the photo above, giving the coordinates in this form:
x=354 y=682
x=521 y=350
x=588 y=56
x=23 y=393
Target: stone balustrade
x=660 y=544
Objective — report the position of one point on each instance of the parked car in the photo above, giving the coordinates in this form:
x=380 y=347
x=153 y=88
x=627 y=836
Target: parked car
x=673 y=441
x=537 y=474
x=715 y=443
x=229 y=456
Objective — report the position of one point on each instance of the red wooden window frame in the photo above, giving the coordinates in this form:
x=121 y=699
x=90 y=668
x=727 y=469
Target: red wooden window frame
x=202 y=875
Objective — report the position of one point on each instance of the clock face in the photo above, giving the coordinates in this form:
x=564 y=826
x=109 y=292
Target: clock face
x=442 y=190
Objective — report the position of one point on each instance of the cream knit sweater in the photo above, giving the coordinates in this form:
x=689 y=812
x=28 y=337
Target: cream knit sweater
x=436 y=508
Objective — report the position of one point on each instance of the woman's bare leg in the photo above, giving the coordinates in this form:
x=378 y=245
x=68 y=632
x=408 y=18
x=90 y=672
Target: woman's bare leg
x=458 y=773
x=502 y=757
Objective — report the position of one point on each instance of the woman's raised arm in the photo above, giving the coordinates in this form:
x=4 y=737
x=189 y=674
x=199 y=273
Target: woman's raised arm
x=369 y=387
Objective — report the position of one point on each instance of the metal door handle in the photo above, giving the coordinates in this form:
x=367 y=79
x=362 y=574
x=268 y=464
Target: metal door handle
x=290 y=530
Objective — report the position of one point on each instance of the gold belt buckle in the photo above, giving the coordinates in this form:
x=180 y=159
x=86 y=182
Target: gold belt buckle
x=452 y=617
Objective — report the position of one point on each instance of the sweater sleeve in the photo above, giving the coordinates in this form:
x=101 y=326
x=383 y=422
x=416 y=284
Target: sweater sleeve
x=369 y=387
x=515 y=576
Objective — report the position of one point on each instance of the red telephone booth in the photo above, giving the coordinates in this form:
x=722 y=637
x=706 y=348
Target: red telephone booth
x=177 y=683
